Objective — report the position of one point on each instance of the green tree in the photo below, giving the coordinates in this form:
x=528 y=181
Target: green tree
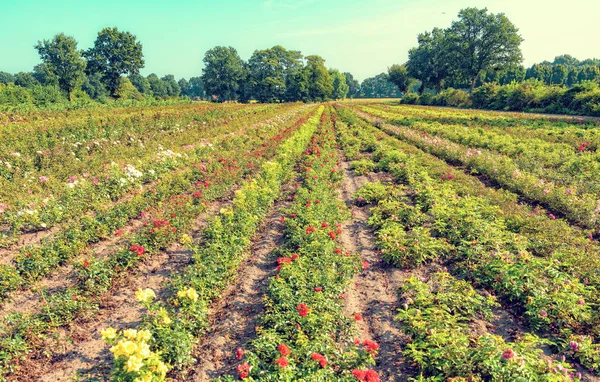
x=560 y=74
x=431 y=61
x=298 y=87
x=566 y=60
x=481 y=41
x=94 y=87
x=378 y=86
x=398 y=75
x=542 y=72
x=173 y=88
x=184 y=85
x=6 y=78
x=126 y=90
x=340 y=87
x=320 y=84
x=270 y=71
x=141 y=83
x=62 y=59
x=196 y=88
x=572 y=77
x=353 y=85
x=158 y=86
x=223 y=72
x=26 y=80
x=44 y=74
x=115 y=53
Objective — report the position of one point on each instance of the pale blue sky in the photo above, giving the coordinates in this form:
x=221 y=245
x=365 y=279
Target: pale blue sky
x=363 y=37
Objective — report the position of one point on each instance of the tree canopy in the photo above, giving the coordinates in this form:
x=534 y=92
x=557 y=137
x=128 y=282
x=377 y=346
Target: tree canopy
x=115 y=53
x=63 y=61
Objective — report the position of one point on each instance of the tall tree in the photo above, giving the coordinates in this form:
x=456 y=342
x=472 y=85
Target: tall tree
x=6 y=78
x=115 y=53
x=141 y=83
x=320 y=84
x=483 y=41
x=560 y=74
x=158 y=86
x=340 y=87
x=378 y=86
x=353 y=85
x=398 y=75
x=270 y=71
x=223 y=72
x=173 y=88
x=431 y=62
x=62 y=59
x=195 y=88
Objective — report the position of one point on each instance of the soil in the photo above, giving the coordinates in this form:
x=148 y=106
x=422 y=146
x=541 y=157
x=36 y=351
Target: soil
x=234 y=318
x=374 y=292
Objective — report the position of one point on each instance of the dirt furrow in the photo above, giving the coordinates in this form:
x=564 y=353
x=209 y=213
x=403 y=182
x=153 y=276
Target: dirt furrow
x=79 y=351
x=234 y=317
x=374 y=294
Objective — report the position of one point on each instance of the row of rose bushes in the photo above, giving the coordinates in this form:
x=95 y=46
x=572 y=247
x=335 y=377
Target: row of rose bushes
x=70 y=179
x=304 y=333
x=478 y=241
x=573 y=249
x=34 y=262
x=571 y=131
x=582 y=209
x=554 y=162
x=441 y=315
x=175 y=324
x=22 y=333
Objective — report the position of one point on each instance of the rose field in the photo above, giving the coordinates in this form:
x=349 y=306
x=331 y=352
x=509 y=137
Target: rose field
x=359 y=240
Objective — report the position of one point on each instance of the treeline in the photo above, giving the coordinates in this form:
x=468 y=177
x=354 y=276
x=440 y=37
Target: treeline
x=476 y=62
x=108 y=72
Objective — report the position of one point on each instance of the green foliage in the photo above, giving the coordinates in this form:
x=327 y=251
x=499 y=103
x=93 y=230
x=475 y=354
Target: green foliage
x=114 y=53
x=340 y=87
x=398 y=75
x=141 y=83
x=63 y=60
x=126 y=90
x=223 y=73
x=320 y=86
x=378 y=87
x=353 y=85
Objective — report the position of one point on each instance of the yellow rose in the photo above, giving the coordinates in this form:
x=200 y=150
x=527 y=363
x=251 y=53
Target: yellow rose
x=143 y=335
x=144 y=350
x=108 y=333
x=117 y=350
x=130 y=334
x=133 y=364
x=185 y=239
x=145 y=295
x=192 y=295
x=182 y=294
x=162 y=368
x=128 y=347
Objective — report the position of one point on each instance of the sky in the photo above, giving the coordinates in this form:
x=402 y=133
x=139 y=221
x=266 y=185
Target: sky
x=363 y=37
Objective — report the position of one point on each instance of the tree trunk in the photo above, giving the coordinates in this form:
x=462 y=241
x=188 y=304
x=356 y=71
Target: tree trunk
x=473 y=82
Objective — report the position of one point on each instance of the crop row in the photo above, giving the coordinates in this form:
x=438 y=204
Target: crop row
x=304 y=334
x=33 y=262
x=559 y=163
x=175 y=324
x=68 y=180
x=475 y=237
x=21 y=333
x=581 y=209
